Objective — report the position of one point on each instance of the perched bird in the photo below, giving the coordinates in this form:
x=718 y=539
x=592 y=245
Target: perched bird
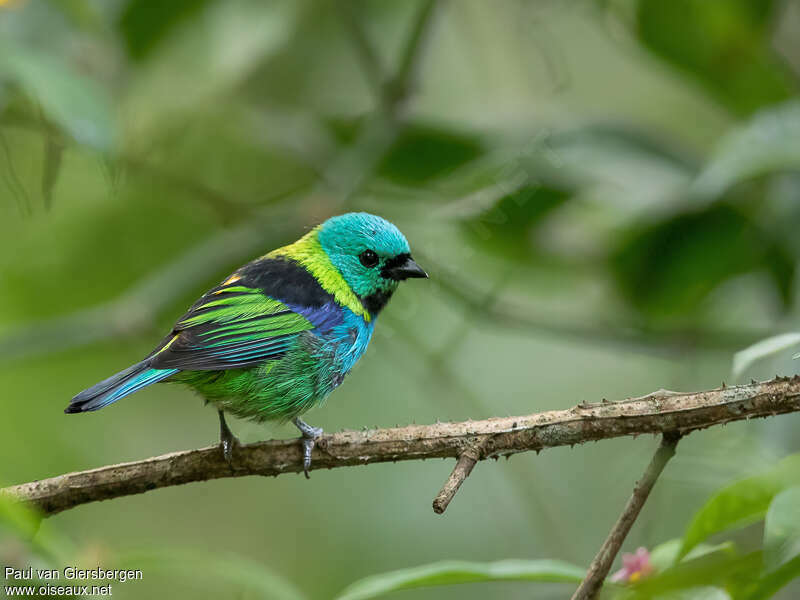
x=277 y=336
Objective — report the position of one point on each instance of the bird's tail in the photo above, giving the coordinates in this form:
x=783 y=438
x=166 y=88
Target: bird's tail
x=117 y=386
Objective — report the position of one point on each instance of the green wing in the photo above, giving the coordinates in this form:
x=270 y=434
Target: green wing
x=230 y=328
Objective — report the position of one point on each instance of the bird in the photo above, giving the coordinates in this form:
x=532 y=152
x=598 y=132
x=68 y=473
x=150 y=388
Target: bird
x=279 y=334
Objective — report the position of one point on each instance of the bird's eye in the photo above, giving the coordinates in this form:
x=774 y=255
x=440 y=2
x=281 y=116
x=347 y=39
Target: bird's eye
x=368 y=258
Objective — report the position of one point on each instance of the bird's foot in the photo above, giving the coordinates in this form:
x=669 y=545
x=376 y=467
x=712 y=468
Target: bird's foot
x=227 y=440
x=309 y=439
x=228 y=445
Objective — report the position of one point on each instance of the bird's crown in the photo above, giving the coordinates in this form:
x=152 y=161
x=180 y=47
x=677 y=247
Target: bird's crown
x=354 y=233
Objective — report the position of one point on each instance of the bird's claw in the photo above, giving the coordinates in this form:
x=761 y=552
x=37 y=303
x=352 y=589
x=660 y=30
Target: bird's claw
x=228 y=445
x=309 y=439
x=308 y=446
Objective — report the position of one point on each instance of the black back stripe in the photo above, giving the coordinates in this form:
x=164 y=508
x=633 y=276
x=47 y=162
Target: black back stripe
x=284 y=280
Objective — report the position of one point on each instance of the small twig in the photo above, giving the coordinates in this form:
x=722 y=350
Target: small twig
x=601 y=565
x=370 y=60
x=496 y=437
x=464 y=465
x=12 y=180
x=399 y=88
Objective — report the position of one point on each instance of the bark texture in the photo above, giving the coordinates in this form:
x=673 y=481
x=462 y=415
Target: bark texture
x=658 y=413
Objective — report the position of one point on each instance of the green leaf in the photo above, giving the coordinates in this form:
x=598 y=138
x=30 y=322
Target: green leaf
x=700 y=593
x=25 y=524
x=646 y=169
x=145 y=23
x=741 y=503
x=669 y=267
x=724 y=46
x=782 y=529
x=505 y=226
x=75 y=102
x=692 y=593
x=689 y=579
x=422 y=152
x=768 y=142
x=235 y=571
x=618 y=165
x=665 y=555
x=452 y=572
x=768 y=585
x=19 y=518
x=205 y=58
x=726 y=569
x=763 y=349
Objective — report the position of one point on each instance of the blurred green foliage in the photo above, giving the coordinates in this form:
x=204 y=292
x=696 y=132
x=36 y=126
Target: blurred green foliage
x=144 y=24
x=604 y=193
x=671 y=267
x=421 y=153
x=725 y=47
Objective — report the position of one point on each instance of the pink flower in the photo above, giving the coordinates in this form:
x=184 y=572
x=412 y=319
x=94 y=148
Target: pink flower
x=634 y=567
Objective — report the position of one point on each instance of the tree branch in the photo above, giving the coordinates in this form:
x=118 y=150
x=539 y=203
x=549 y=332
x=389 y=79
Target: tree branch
x=601 y=564
x=403 y=82
x=656 y=413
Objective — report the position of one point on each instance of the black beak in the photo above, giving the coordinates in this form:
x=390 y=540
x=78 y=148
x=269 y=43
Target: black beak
x=405 y=268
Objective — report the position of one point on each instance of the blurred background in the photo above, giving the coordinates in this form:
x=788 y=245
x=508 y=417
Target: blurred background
x=605 y=195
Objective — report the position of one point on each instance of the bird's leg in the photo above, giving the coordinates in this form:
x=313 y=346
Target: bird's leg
x=310 y=435
x=227 y=440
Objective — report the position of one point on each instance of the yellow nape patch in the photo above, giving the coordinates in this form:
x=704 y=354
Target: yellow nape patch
x=308 y=252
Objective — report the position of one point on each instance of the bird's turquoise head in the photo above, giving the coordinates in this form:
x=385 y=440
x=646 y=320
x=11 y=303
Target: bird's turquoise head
x=370 y=253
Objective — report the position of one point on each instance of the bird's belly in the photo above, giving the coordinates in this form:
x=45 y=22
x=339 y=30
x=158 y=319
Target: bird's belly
x=284 y=388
